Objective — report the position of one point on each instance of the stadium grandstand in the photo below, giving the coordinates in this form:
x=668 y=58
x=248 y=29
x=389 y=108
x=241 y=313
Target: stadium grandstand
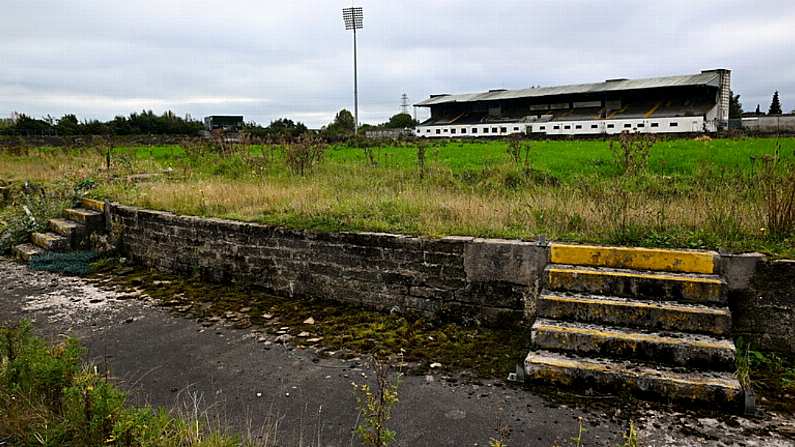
x=696 y=103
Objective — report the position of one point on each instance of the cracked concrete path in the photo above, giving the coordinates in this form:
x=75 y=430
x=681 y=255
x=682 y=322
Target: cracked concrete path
x=168 y=360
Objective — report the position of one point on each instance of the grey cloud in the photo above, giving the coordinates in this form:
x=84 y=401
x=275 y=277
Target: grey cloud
x=270 y=59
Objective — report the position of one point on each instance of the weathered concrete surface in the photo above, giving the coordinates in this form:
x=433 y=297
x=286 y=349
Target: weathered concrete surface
x=713 y=388
x=458 y=278
x=702 y=289
x=627 y=312
x=764 y=313
x=511 y=261
x=738 y=269
x=635 y=258
x=661 y=348
x=160 y=357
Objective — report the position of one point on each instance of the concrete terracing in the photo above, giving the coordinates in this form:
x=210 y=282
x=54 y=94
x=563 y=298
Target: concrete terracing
x=632 y=309
x=634 y=258
x=652 y=322
x=64 y=234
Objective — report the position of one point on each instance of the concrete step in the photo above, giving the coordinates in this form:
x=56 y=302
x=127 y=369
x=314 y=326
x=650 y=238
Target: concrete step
x=625 y=312
x=93 y=220
x=682 y=261
x=93 y=205
x=50 y=241
x=26 y=252
x=667 y=348
x=686 y=287
x=69 y=229
x=605 y=375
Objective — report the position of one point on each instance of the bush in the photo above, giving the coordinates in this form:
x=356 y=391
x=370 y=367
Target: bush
x=48 y=397
x=30 y=211
x=303 y=154
x=632 y=152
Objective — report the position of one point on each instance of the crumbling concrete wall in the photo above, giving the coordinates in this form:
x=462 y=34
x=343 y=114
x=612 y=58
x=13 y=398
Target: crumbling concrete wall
x=457 y=278
x=762 y=300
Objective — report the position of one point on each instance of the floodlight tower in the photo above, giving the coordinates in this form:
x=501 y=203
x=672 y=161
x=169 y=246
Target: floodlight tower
x=354 y=17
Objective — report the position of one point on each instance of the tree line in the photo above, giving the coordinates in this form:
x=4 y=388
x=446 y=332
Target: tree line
x=144 y=123
x=149 y=123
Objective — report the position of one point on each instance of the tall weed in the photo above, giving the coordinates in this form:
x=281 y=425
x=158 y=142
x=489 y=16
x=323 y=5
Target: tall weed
x=304 y=153
x=632 y=151
x=775 y=177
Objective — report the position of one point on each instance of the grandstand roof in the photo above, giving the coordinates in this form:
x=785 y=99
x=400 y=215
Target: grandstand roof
x=705 y=78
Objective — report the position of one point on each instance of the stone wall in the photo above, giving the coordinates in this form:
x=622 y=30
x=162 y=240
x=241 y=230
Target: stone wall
x=459 y=278
x=764 y=311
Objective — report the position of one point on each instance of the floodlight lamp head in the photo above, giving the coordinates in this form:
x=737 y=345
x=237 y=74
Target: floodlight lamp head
x=354 y=18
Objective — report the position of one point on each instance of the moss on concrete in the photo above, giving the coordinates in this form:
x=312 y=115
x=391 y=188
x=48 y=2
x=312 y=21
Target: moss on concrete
x=343 y=330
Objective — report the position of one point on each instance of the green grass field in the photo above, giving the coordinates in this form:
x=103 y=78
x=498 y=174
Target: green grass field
x=694 y=193
x=564 y=159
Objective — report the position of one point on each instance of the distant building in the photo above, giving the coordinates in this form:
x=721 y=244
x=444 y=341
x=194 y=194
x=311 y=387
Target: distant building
x=228 y=123
x=393 y=134
x=674 y=104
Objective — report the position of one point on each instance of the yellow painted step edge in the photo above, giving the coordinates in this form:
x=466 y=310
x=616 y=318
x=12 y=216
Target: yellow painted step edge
x=653 y=276
x=634 y=258
x=94 y=205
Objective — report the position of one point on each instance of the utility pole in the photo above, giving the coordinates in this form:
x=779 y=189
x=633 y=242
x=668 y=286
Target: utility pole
x=354 y=17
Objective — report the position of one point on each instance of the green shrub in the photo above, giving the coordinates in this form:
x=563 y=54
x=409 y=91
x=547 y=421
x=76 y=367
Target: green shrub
x=30 y=210
x=49 y=398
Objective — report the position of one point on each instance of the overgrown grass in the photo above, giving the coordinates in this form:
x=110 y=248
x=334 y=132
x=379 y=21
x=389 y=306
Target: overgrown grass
x=691 y=194
x=770 y=374
x=28 y=207
x=48 y=397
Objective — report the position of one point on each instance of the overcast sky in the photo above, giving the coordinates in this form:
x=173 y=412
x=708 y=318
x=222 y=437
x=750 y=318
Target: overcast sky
x=267 y=59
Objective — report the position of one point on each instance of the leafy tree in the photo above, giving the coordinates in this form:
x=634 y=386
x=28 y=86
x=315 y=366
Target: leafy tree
x=775 y=105
x=120 y=126
x=735 y=107
x=758 y=111
x=280 y=129
x=401 y=121
x=95 y=127
x=28 y=126
x=145 y=122
x=345 y=120
x=365 y=127
x=5 y=123
x=286 y=128
x=68 y=125
x=343 y=125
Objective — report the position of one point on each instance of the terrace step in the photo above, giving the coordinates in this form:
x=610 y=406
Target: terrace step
x=669 y=348
x=646 y=314
x=663 y=286
x=69 y=229
x=26 y=252
x=644 y=381
x=50 y=241
x=93 y=205
x=682 y=261
x=93 y=220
